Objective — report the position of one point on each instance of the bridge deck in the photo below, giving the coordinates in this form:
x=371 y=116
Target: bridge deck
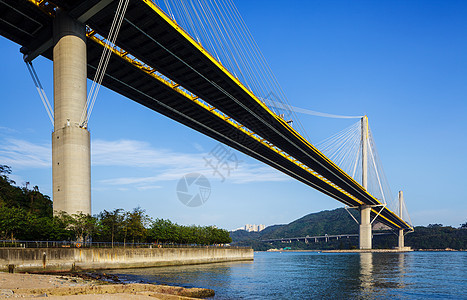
x=230 y=113
x=327 y=236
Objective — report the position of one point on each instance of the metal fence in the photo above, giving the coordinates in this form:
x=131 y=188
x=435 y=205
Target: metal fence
x=77 y=244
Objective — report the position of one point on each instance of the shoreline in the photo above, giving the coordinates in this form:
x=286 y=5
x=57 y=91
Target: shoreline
x=89 y=285
x=348 y=251
x=369 y=250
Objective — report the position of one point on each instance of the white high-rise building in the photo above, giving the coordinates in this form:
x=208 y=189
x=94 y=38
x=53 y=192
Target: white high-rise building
x=254 y=227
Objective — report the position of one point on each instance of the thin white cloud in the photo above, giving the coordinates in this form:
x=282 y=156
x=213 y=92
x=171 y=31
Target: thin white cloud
x=169 y=165
x=172 y=165
x=244 y=174
x=198 y=147
x=23 y=154
x=7 y=129
x=133 y=153
x=148 y=187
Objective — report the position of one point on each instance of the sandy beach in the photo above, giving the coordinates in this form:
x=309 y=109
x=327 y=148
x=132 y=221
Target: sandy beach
x=67 y=287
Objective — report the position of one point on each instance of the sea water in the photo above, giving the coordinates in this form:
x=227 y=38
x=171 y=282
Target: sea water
x=311 y=275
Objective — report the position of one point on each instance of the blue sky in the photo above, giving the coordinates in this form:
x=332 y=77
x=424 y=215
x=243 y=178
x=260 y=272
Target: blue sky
x=403 y=63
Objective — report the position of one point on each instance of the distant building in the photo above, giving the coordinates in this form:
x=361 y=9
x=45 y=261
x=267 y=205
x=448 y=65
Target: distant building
x=253 y=227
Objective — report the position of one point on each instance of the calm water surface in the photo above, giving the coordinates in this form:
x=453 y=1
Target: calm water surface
x=309 y=275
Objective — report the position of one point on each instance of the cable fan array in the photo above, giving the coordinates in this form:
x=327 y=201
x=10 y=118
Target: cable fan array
x=345 y=150
x=220 y=29
x=405 y=213
x=103 y=62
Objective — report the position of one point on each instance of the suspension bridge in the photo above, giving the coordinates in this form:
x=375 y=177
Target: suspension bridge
x=197 y=63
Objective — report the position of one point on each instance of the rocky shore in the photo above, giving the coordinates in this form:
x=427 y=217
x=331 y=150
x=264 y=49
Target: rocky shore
x=89 y=286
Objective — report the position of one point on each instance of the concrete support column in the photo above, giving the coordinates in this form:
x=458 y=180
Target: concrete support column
x=71 y=156
x=401 y=231
x=364 y=122
x=401 y=239
x=365 y=234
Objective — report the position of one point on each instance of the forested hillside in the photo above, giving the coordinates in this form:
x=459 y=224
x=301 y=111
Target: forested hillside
x=338 y=221
x=26 y=214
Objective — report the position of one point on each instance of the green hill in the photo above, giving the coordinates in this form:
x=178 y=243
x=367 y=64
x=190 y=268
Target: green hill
x=338 y=221
x=325 y=222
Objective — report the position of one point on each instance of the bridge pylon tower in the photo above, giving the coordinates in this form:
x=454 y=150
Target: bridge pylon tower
x=365 y=233
x=401 y=231
x=71 y=156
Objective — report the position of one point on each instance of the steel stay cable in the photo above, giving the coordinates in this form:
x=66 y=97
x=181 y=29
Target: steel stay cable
x=192 y=25
x=99 y=67
x=201 y=13
x=354 y=187
x=219 y=37
x=382 y=174
x=225 y=25
x=265 y=63
x=349 y=148
x=40 y=90
x=357 y=159
x=373 y=159
x=120 y=17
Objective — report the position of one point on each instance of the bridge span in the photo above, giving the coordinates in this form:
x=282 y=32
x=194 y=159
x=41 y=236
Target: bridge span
x=315 y=238
x=159 y=65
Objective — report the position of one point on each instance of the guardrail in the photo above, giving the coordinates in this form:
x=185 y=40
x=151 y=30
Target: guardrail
x=78 y=244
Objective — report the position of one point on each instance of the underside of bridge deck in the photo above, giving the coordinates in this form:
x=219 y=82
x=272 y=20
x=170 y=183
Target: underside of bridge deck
x=228 y=112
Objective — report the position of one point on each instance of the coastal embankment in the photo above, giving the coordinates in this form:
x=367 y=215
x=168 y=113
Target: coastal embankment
x=75 y=259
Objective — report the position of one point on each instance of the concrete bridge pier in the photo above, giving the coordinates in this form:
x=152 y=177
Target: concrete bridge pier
x=71 y=159
x=365 y=234
x=401 y=231
x=401 y=239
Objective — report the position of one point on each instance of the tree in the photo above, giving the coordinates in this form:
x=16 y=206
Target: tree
x=13 y=222
x=5 y=171
x=83 y=226
x=110 y=225
x=60 y=229
x=7 y=191
x=30 y=200
x=164 y=231
x=134 y=225
x=464 y=225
